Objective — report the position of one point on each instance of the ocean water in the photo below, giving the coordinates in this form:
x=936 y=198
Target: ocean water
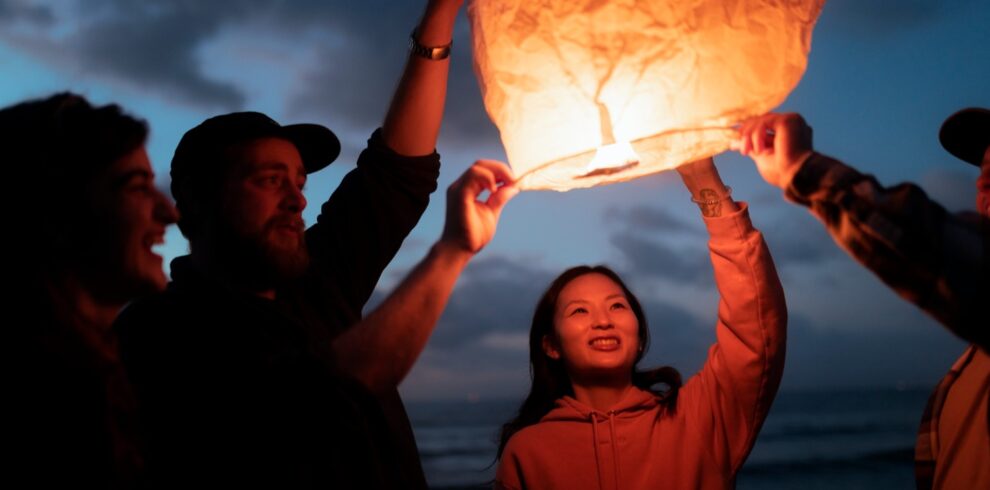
x=810 y=440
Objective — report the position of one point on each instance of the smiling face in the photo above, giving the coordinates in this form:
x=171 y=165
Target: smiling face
x=129 y=217
x=596 y=332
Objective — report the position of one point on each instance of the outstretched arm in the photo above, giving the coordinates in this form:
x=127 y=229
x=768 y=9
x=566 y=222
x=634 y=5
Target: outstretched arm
x=739 y=381
x=381 y=349
x=931 y=258
x=413 y=119
x=378 y=204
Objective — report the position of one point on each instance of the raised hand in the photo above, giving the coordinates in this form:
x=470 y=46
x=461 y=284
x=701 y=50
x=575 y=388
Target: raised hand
x=471 y=222
x=778 y=143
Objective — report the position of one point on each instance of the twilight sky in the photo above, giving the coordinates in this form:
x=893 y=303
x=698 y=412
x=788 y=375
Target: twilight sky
x=882 y=76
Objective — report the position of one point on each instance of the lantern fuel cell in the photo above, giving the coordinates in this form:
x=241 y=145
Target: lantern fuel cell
x=590 y=92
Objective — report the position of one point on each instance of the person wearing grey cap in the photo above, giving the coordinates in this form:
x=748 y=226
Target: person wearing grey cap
x=930 y=257
x=255 y=366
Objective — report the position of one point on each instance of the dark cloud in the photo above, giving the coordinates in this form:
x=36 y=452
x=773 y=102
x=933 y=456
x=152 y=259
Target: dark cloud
x=649 y=219
x=494 y=295
x=359 y=50
x=953 y=188
x=649 y=257
x=154 y=43
x=158 y=52
x=12 y=11
x=798 y=238
x=869 y=354
x=468 y=370
x=642 y=237
x=479 y=344
x=354 y=85
x=358 y=80
x=466 y=122
x=871 y=18
x=356 y=74
x=677 y=338
x=647 y=240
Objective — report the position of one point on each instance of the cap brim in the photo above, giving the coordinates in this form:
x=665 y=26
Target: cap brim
x=966 y=134
x=317 y=145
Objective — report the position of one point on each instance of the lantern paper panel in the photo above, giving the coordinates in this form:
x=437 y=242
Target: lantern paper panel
x=589 y=92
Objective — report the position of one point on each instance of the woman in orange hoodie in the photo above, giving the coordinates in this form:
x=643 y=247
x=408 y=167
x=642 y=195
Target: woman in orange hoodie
x=593 y=420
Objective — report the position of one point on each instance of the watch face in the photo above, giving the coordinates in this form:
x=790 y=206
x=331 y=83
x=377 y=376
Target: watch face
x=430 y=53
x=439 y=53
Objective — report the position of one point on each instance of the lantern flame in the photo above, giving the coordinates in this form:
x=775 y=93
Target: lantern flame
x=611 y=159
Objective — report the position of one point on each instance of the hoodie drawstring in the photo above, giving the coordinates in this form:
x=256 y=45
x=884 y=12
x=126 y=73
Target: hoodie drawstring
x=594 y=441
x=613 y=442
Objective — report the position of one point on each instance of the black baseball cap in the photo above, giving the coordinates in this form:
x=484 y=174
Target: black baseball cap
x=966 y=134
x=201 y=149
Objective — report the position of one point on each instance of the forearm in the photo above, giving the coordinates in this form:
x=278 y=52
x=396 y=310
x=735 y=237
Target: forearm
x=708 y=191
x=412 y=123
x=745 y=367
x=752 y=300
x=752 y=316
x=381 y=349
x=933 y=259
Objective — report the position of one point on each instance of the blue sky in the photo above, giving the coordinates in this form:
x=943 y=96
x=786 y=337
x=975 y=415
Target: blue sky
x=882 y=76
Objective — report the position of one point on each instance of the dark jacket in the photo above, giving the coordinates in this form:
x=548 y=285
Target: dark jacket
x=238 y=390
x=69 y=410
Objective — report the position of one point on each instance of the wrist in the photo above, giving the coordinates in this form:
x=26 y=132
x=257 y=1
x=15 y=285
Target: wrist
x=449 y=249
x=709 y=196
x=787 y=176
x=700 y=173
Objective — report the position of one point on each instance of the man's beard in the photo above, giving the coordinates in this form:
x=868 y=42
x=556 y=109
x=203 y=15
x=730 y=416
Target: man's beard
x=261 y=259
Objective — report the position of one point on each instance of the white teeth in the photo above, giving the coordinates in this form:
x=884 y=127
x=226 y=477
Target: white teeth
x=604 y=342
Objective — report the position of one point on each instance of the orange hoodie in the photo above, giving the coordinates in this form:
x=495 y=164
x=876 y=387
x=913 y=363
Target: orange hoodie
x=702 y=445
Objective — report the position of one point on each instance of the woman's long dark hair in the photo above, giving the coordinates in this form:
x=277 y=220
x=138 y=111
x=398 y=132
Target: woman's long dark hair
x=60 y=145
x=550 y=379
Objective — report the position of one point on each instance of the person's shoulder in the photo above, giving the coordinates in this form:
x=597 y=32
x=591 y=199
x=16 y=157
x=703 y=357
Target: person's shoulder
x=152 y=319
x=381 y=160
x=972 y=220
x=150 y=308
x=529 y=437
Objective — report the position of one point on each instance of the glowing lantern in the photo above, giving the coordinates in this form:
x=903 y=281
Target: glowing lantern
x=587 y=92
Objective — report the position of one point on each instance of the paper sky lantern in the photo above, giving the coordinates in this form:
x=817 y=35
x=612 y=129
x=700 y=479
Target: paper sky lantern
x=588 y=92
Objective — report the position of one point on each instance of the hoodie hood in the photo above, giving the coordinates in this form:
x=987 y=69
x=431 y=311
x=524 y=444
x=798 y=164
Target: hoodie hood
x=633 y=404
